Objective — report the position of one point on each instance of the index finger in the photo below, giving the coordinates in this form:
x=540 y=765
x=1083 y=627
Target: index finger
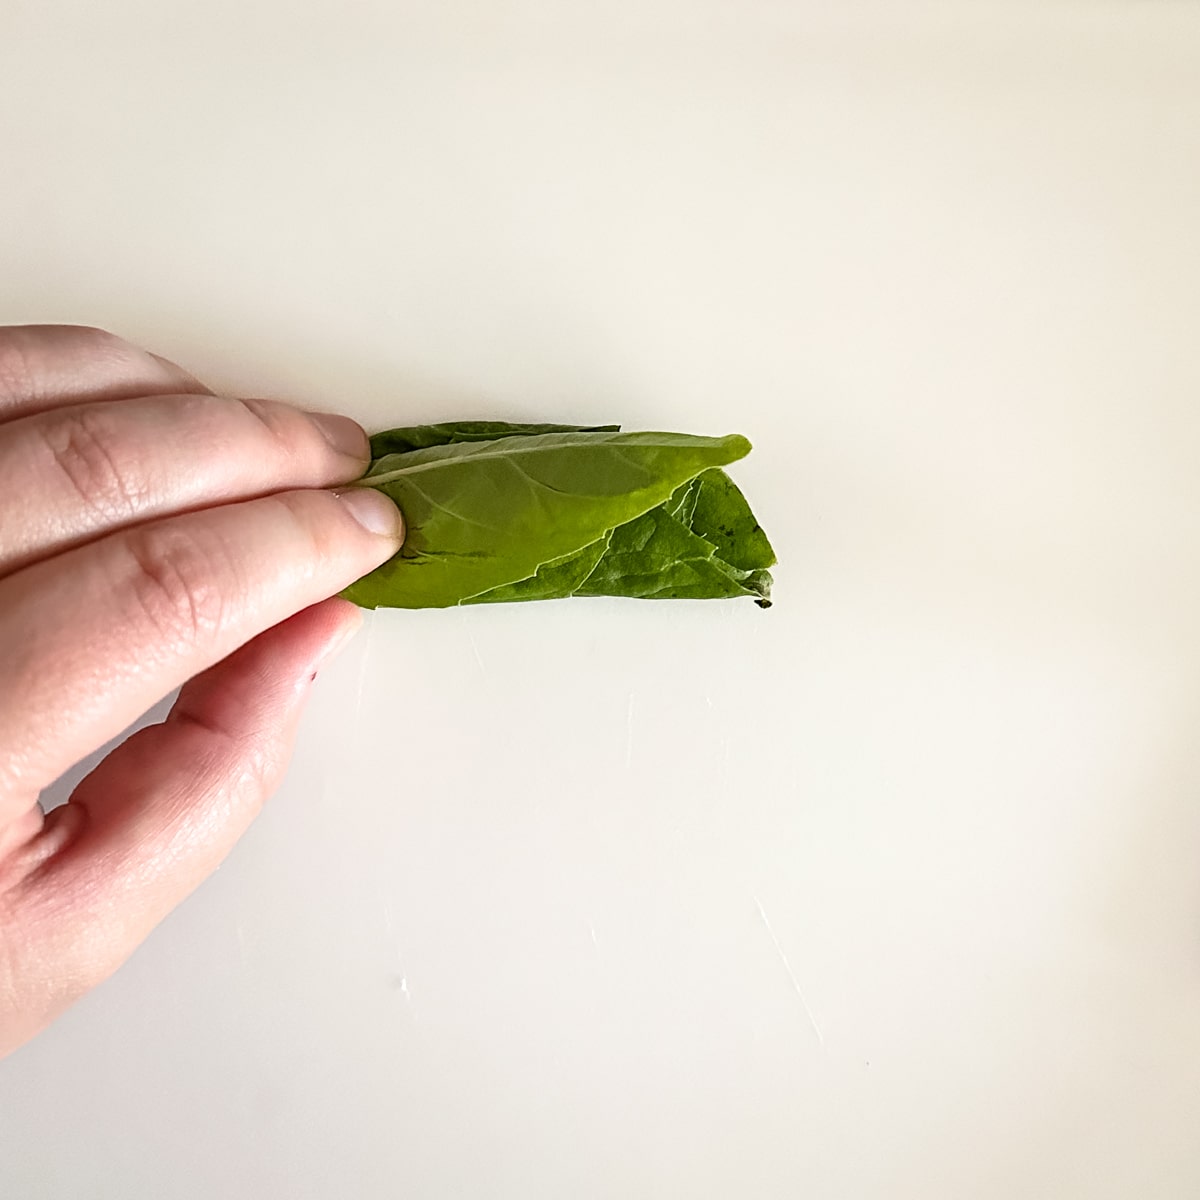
x=84 y=470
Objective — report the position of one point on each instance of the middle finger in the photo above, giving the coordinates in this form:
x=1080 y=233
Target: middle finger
x=75 y=473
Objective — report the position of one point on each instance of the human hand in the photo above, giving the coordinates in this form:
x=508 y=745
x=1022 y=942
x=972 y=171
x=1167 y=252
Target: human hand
x=151 y=533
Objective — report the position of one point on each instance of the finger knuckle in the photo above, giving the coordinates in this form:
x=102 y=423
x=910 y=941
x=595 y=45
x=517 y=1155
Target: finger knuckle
x=18 y=376
x=276 y=420
x=176 y=582
x=314 y=519
x=28 y=354
x=250 y=767
x=93 y=337
x=92 y=344
x=86 y=451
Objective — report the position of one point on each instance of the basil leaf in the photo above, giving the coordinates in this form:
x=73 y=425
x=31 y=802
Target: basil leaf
x=420 y=437
x=554 y=580
x=702 y=544
x=719 y=514
x=662 y=555
x=500 y=512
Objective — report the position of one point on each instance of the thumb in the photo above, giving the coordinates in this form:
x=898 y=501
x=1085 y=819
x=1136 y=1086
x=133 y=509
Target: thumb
x=164 y=808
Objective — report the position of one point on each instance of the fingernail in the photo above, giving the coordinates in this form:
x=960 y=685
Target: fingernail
x=373 y=511
x=344 y=435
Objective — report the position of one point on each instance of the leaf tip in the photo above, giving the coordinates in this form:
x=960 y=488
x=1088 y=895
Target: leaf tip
x=739 y=446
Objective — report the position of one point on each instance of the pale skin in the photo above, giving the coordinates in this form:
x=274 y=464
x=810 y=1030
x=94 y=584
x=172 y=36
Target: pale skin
x=152 y=535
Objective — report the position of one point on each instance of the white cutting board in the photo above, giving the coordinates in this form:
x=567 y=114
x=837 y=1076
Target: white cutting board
x=890 y=892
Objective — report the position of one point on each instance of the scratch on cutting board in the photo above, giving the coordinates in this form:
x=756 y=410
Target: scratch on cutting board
x=787 y=966
x=466 y=623
x=592 y=931
x=400 y=978
x=364 y=663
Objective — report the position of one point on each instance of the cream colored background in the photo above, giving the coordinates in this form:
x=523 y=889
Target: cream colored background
x=893 y=891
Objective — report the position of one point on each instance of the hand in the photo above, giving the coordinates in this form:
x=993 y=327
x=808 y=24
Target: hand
x=150 y=533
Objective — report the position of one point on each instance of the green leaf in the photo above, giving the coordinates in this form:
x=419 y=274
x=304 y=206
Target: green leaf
x=554 y=580
x=661 y=556
x=484 y=515
x=658 y=557
x=669 y=553
x=721 y=515
x=420 y=437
